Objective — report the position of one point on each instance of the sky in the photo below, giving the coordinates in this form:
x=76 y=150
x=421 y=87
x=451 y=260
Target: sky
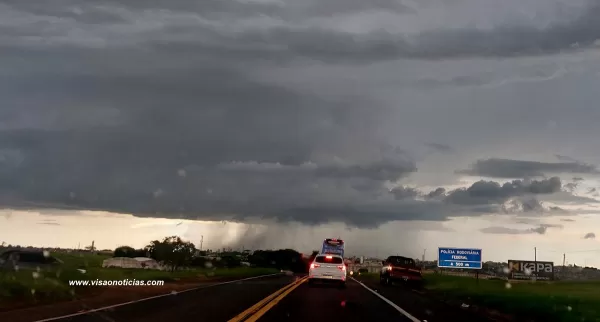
x=400 y=126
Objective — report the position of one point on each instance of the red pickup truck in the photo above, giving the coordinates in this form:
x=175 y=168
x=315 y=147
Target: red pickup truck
x=400 y=269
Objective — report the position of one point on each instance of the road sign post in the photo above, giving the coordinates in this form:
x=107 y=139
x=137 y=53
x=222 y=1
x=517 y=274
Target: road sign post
x=463 y=258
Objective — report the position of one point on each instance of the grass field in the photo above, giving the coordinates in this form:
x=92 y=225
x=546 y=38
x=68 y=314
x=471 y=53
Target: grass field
x=557 y=301
x=546 y=301
x=52 y=284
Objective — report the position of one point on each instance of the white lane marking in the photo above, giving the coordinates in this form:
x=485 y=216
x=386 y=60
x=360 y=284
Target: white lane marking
x=150 y=298
x=392 y=304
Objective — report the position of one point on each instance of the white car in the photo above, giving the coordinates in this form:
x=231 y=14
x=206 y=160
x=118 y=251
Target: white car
x=328 y=268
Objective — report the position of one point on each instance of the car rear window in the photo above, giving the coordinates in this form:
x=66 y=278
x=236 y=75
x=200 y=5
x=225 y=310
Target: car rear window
x=402 y=261
x=332 y=260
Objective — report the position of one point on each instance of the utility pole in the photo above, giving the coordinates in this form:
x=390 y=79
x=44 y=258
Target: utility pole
x=563 y=270
x=535 y=266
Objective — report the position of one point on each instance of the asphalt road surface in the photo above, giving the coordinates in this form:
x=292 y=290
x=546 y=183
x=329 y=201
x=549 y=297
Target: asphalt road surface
x=283 y=298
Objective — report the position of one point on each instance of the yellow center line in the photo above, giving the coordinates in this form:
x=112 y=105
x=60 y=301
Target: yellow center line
x=272 y=303
x=256 y=307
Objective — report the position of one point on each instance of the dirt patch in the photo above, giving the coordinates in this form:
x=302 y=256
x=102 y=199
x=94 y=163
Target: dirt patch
x=91 y=298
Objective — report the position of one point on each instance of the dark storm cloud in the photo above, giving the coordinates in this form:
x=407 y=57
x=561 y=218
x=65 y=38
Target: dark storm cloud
x=339 y=46
x=541 y=229
x=523 y=205
x=558 y=210
x=436 y=194
x=507 y=168
x=565 y=158
x=567 y=220
x=404 y=192
x=517 y=196
x=163 y=111
x=571 y=186
x=589 y=236
x=485 y=192
x=198 y=27
x=440 y=147
x=332 y=46
x=504 y=230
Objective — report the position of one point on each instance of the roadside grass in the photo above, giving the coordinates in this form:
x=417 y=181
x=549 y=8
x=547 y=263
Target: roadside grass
x=52 y=284
x=567 y=301
x=370 y=276
x=550 y=301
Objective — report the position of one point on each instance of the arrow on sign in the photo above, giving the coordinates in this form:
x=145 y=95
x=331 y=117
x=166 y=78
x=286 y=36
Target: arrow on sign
x=467 y=265
x=451 y=264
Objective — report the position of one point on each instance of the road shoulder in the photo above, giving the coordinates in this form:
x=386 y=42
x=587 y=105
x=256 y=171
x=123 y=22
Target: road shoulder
x=424 y=305
x=110 y=296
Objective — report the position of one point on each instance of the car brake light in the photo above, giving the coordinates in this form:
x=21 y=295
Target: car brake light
x=342 y=267
x=329 y=257
x=313 y=265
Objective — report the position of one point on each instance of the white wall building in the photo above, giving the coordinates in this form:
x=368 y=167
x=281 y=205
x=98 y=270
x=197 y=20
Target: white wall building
x=137 y=262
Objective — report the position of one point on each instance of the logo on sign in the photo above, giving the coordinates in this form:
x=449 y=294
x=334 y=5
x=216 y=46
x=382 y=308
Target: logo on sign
x=531 y=266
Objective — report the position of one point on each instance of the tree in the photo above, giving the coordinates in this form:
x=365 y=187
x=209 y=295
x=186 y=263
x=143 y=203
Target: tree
x=171 y=251
x=125 y=251
x=287 y=259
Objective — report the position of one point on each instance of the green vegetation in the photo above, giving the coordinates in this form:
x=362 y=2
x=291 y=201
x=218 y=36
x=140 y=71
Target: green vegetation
x=565 y=301
x=544 y=301
x=547 y=301
x=172 y=251
x=52 y=284
x=183 y=263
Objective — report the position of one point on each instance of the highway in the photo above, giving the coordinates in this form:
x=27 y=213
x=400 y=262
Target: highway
x=282 y=298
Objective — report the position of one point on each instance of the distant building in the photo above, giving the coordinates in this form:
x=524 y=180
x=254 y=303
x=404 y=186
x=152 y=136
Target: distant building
x=137 y=262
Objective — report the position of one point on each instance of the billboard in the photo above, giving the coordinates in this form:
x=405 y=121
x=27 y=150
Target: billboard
x=528 y=270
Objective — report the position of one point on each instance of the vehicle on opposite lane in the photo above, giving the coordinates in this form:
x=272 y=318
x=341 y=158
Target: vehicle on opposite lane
x=328 y=268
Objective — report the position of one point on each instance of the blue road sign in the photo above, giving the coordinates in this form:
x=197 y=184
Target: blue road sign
x=466 y=258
